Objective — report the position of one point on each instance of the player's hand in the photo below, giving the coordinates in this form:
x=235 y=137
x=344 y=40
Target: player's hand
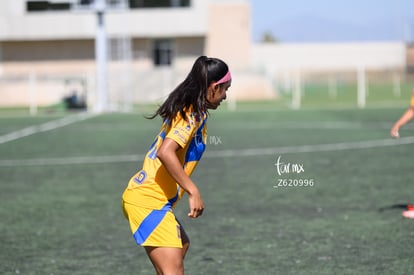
x=394 y=132
x=196 y=205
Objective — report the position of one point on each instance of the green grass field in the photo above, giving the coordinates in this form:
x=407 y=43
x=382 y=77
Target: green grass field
x=60 y=193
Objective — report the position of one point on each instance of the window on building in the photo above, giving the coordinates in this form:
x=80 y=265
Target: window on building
x=163 y=52
x=133 y=4
x=90 y=4
x=35 y=6
x=86 y=2
x=53 y=5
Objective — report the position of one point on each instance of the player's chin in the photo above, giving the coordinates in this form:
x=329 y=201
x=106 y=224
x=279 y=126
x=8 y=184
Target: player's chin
x=213 y=106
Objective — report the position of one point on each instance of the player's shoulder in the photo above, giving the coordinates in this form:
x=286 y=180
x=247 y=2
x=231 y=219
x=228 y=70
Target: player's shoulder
x=191 y=118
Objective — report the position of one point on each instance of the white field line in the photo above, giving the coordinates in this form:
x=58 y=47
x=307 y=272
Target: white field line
x=217 y=153
x=48 y=126
x=324 y=125
x=311 y=148
x=71 y=160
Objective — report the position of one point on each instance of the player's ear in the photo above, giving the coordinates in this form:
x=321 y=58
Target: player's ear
x=217 y=87
x=213 y=88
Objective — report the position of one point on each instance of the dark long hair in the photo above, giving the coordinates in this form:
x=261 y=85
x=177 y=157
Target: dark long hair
x=192 y=92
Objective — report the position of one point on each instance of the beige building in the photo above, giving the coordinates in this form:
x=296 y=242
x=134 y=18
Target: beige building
x=47 y=48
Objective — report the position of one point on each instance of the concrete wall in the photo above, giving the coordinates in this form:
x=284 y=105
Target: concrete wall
x=229 y=33
x=334 y=56
x=17 y=24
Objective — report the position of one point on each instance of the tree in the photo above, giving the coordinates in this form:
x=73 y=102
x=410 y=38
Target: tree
x=268 y=37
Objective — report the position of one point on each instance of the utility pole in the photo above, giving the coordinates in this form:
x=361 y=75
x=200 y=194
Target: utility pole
x=101 y=57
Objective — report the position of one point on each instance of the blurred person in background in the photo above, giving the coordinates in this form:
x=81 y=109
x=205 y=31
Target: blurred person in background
x=407 y=116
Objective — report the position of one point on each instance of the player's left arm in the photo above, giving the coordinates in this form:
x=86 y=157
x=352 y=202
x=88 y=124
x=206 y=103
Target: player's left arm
x=167 y=154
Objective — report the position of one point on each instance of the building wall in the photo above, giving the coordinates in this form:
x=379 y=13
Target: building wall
x=329 y=56
x=229 y=33
x=17 y=24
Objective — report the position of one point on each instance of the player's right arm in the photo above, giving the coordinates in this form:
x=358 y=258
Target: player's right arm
x=406 y=117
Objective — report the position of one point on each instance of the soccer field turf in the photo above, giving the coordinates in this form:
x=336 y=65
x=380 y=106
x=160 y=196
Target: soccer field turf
x=61 y=189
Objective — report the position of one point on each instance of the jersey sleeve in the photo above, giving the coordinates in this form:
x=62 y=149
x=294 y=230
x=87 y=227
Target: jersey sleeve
x=412 y=100
x=182 y=131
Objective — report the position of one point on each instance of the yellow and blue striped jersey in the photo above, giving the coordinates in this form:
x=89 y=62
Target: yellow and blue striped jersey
x=153 y=187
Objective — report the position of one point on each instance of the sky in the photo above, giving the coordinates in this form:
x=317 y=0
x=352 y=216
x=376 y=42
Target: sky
x=333 y=20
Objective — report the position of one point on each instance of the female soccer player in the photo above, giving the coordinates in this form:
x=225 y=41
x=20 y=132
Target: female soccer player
x=404 y=119
x=153 y=192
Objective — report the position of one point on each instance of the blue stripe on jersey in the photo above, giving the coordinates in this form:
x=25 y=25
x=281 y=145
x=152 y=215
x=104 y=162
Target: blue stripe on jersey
x=171 y=202
x=153 y=149
x=197 y=146
x=153 y=220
